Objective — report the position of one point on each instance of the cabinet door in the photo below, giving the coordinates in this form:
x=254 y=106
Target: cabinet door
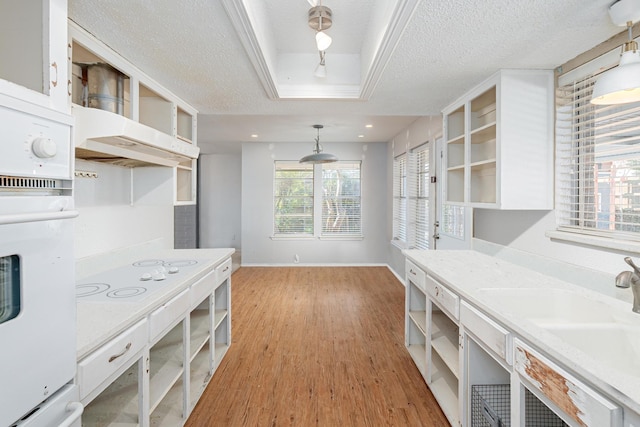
x=35 y=61
x=577 y=402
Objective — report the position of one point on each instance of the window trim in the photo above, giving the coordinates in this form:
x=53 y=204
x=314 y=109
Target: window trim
x=317 y=208
x=610 y=239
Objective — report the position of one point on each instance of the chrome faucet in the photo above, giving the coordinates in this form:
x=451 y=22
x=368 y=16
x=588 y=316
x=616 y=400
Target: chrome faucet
x=631 y=279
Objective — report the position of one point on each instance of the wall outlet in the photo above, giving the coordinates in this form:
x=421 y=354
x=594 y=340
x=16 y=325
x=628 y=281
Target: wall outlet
x=296 y=259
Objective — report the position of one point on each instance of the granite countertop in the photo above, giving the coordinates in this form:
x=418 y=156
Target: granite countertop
x=98 y=322
x=467 y=273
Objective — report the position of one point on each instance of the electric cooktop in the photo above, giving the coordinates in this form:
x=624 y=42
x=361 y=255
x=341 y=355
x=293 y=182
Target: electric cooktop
x=134 y=282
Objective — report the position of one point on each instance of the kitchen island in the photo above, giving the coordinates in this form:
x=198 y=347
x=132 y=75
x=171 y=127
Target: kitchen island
x=151 y=332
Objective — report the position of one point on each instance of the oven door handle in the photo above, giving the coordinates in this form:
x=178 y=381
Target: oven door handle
x=38 y=216
x=76 y=410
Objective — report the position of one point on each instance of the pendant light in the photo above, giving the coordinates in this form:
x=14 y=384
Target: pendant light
x=621 y=84
x=318 y=156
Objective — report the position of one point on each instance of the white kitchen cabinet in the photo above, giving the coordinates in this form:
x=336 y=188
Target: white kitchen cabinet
x=221 y=339
x=111 y=379
x=431 y=337
x=134 y=110
x=479 y=370
x=499 y=143
x=34 y=56
x=571 y=399
x=154 y=373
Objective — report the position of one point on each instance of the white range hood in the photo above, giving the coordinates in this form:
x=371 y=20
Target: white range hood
x=107 y=137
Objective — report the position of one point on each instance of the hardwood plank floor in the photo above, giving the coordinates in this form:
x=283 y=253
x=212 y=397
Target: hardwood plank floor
x=317 y=346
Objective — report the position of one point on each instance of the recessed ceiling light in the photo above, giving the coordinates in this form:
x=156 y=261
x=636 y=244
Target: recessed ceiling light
x=254 y=135
x=360 y=136
x=368 y=126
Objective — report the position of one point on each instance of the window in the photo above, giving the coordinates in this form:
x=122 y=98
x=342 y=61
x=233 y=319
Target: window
x=419 y=179
x=293 y=199
x=400 y=200
x=341 y=209
x=337 y=200
x=598 y=164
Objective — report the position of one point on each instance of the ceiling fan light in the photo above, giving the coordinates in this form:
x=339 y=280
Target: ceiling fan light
x=620 y=85
x=323 y=41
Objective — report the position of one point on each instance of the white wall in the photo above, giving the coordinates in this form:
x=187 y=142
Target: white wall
x=109 y=220
x=257 y=207
x=525 y=230
x=220 y=190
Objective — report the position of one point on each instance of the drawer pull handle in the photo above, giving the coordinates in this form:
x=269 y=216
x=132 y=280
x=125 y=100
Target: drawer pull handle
x=115 y=356
x=412 y=272
x=225 y=269
x=437 y=291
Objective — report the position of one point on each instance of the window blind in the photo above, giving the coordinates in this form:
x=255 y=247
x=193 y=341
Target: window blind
x=293 y=199
x=597 y=164
x=400 y=198
x=341 y=201
x=418 y=198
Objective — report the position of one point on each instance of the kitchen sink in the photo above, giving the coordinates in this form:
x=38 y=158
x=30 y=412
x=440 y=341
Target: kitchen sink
x=607 y=331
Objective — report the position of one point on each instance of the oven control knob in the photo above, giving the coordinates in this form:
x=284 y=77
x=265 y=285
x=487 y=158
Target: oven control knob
x=44 y=148
x=173 y=270
x=145 y=277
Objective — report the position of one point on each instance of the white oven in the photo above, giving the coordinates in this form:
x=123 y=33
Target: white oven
x=37 y=283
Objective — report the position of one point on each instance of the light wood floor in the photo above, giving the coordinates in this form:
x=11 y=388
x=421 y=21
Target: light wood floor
x=317 y=347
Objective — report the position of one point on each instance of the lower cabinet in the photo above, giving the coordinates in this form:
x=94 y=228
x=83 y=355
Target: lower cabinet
x=154 y=373
x=482 y=375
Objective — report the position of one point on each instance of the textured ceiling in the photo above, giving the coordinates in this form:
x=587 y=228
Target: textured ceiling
x=448 y=47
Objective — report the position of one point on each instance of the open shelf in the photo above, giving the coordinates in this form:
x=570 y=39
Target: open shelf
x=167 y=413
x=455 y=125
x=167 y=367
x=483 y=109
x=184 y=125
x=154 y=110
x=455 y=185
x=455 y=155
x=221 y=338
x=117 y=405
x=199 y=329
x=200 y=373
x=444 y=341
x=445 y=388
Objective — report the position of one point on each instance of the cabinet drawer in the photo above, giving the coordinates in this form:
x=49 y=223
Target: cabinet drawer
x=486 y=330
x=201 y=289
x=223 y=270
x=577 y=400
x=415 y=274
x=168 y=315
x=107 y=360
x=445 y=299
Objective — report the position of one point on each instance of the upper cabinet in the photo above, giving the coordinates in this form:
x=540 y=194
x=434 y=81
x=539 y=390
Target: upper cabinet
x=499 y=143
x=33 y=52
x=124 y=117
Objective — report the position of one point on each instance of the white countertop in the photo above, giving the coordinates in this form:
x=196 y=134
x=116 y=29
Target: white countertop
x=98 y=322
x=466 y=272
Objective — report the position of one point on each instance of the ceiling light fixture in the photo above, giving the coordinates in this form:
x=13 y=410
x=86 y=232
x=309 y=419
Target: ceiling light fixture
x=621 y=84
x=320 y=19
x=318 y=156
